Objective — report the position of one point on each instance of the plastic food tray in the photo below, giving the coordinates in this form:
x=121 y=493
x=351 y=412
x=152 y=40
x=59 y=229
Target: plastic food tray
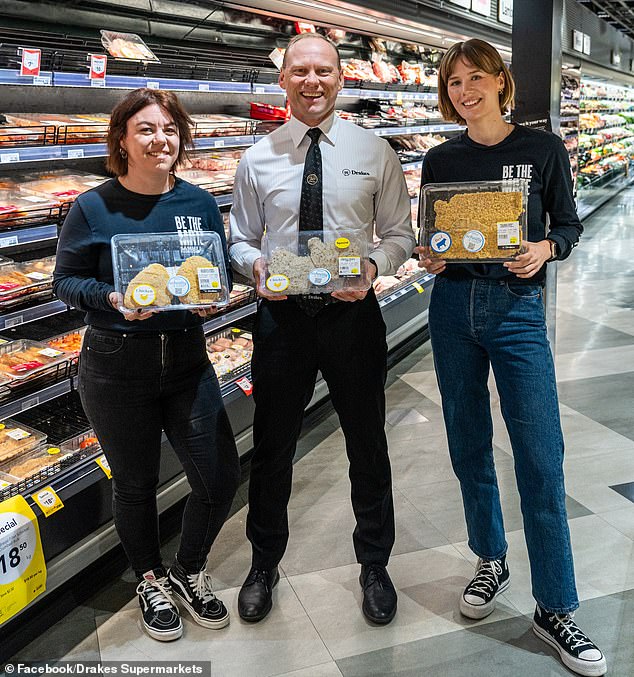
x=22 y=359
x=16 y=439
x=127 y=46
x=482 y=221
x=299 y=262
x=70 y=341
x=18 y=279
x=17 y=131
x=7 y=480
x=86 y=444
x=230 y=352
x=170 y=271
x=36 y=461
x=62 y=187
x=19 y=208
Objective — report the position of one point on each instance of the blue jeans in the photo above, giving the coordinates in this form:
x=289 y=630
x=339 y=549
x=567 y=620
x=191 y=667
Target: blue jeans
x=135 y=385
x=475 y=324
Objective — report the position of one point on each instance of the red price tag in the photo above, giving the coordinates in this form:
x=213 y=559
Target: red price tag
x=7 y=286
x=304 y=27
x=98 y=66
x=31 y=60
x=245 y=385
x=67 y=193
x=26 y=366
x=8 y=208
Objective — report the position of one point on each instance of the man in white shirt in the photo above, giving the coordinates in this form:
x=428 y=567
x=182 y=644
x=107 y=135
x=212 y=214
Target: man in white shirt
x=363 y=189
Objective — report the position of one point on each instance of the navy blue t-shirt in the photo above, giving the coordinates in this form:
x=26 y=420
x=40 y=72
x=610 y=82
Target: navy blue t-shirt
x=83 y=275
x=525 y=153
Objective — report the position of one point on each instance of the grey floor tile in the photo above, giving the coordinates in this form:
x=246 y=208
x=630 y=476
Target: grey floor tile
x=576 y=334
x=609 y=400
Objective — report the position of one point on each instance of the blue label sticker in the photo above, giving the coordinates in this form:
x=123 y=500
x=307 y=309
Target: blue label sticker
x=473 y=241
x=319 y=276
x=440 y=242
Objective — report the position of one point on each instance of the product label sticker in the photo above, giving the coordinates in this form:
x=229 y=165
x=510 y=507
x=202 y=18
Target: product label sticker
x=178 y=285
x=209 y=279
x=4 y=484
x=144 y=294
x=440 y=242
x=342 y=243
x=349 y=266
x=35 y=275
x=8 y=286
x=50 y=352
x=48 y=500
x=473 y=241
x=509 y=235
x=418 y=287
x=8 y=208
x=18 y=434
x=31 y=198
x=102 y=462
x=277 y=282
x=319 y=276
x=27 y=366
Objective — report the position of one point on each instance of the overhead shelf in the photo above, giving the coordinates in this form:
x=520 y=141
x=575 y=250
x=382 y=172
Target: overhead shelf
x=13 y=319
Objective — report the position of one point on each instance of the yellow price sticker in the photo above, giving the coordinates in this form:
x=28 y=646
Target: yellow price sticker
x=48 y=500
x=418 y=287
x=342 y=243
x=102 y=462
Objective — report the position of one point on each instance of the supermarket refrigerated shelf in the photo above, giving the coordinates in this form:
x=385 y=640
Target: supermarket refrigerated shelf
x=28 y=235
x=30 y=314
x=51 y=392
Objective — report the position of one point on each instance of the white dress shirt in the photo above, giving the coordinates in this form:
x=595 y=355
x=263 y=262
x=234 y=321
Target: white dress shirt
x=363 y=188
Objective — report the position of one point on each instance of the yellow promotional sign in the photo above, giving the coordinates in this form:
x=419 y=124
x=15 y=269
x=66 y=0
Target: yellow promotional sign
x=22 y=565
x=48 y=500
x=102 y=462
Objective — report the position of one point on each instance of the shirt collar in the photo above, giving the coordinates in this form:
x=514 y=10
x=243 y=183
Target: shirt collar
x=297 y=129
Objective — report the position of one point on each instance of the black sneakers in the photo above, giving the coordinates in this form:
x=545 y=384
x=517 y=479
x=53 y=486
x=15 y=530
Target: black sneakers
x=577 y=652
x=492 y=578
x=195 y=593
x=160 y=616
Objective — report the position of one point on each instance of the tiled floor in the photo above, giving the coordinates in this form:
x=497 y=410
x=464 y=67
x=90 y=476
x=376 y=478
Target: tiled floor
x=316 y=628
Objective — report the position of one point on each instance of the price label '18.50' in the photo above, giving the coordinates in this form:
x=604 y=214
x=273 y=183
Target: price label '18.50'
x=22 y=567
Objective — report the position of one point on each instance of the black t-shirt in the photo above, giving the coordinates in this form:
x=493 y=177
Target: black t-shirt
x=83 y=275
x=525 y=153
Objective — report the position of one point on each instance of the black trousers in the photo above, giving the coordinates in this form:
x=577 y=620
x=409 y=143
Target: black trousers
x=346 y=342
x=132 y=387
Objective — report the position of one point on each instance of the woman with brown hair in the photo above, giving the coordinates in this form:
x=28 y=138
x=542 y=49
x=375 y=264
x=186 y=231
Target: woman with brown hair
x=491 y=315
x=143 y=372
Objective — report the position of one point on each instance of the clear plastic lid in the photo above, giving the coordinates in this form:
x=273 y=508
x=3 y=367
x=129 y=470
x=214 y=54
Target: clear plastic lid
x=62 y=187
x=7 y=480
x=482 y=221
x=17 y=438
x=85 y=442
x=22 y=359
x=229 y=350
x=316 y=262
x=19 y=278
x=28 y=463
x=15 y=204
x=4 y=261
x=126 y=46
x=170 y=271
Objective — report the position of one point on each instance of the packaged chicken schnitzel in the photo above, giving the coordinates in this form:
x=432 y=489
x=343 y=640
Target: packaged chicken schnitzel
x=170 y=271
x=316 y=262
x=482 y=221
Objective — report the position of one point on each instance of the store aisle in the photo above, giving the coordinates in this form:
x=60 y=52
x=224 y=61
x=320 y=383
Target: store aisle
x=316 y=628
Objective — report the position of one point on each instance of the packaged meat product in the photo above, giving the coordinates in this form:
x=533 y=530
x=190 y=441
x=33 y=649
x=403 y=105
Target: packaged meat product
x=219 y=124
x=70 y=342
x=45 y=265
x=17 y=438
x=26 y=464
x=228 y=351
x=482 y=220
x=127 y=46
x=62 y=186
x=19 y=130
x=86 y=443
x=19 y=279
x=301 y=262
x=170 y=271
x=22 y=359
x=20 y=207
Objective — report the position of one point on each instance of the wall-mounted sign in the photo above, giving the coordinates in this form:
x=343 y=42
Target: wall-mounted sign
x=481 y=7
x=615 y=58
x=98 y=64
x=505 y=12
x=577 y=41
x=586 y=44
x=31 y=59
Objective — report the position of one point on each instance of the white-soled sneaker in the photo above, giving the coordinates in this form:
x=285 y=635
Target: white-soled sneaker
x=577 y=652
x=492 y=578
x=161 y=619
x=196 y=594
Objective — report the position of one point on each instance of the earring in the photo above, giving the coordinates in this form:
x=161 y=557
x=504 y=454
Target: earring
x=123 y=153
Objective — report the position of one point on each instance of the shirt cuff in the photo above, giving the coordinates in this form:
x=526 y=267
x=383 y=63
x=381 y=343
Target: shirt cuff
x=381 y=261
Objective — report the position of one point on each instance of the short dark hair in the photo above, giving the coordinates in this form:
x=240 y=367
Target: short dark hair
x=131 y=104
x=484 y=57
x=316 y=36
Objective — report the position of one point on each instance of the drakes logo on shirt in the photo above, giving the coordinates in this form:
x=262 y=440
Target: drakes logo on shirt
x=189 y=229
x=517 y=172
x=354 y=172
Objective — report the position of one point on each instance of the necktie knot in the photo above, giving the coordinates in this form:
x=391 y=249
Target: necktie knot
x=314 y=134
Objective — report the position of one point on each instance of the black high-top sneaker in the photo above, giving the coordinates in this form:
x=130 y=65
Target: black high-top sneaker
x=195 y=593
x=492 y=578
x=160 y=615
x=577 y=652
